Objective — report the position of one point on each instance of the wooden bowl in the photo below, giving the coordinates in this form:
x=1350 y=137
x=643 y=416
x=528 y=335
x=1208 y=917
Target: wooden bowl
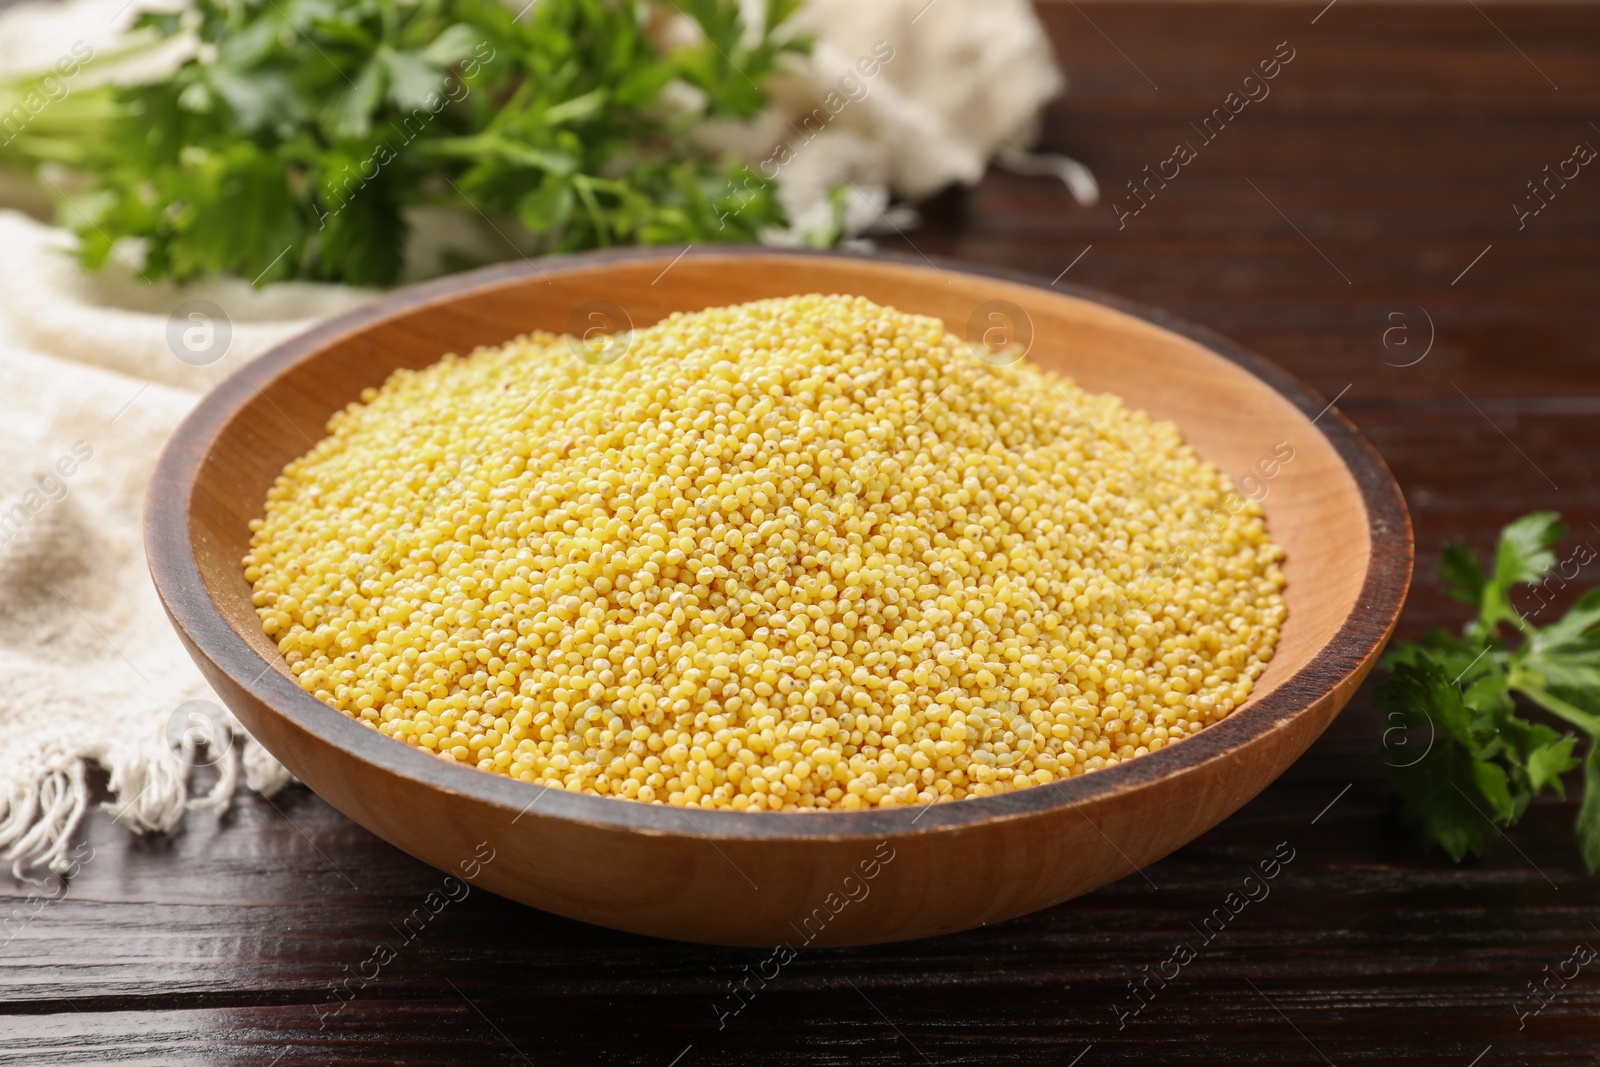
x=830 y=878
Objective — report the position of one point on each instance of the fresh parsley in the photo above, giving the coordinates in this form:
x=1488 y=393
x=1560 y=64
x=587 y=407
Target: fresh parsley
x=1455 y=698
x=291 y=141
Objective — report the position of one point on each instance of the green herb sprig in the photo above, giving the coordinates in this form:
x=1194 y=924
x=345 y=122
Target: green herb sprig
x=291 y=142
x=1455 y=697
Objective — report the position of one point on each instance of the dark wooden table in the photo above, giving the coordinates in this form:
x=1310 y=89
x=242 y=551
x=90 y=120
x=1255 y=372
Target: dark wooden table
x=1372 y=191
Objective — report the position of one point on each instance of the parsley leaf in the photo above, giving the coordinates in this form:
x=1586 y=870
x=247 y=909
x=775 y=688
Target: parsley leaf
x=1523 y=557
x=293 y=140
x=1484 y=761
x=1588 y=823
x=1461 y=575
x=1441 y=789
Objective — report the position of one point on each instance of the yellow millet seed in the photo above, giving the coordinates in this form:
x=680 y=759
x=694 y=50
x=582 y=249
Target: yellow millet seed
x=806 y=553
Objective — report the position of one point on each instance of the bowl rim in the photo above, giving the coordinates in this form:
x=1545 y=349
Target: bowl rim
x=176 y=574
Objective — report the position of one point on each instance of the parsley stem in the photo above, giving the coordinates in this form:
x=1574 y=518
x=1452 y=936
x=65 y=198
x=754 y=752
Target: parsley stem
x=1528 y=687
x=591 y=204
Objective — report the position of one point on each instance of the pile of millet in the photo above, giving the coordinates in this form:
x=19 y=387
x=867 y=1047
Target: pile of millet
x=800 y=554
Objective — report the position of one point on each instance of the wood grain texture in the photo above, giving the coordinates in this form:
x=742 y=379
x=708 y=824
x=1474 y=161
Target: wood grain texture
x=820 y=878
x=1397 y=141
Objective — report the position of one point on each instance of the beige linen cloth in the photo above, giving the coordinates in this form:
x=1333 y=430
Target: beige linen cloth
x=91 y=386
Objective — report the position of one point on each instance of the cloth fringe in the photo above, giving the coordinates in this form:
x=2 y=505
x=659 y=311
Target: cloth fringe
x=262 y=773
x=149 y=791
x=150 y=794
x=41 y=817
x=1078 y=178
